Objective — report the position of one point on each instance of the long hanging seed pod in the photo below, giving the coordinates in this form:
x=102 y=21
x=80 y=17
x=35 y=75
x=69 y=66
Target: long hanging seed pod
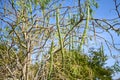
x=51 y=61
x=86 y=25
x=70 y=36
x=59 y=35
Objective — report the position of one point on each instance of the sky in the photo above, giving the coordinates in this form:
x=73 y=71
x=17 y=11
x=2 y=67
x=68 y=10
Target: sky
x=105 y=10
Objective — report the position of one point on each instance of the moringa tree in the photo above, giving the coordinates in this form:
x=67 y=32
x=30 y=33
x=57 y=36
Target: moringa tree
x=39 y=29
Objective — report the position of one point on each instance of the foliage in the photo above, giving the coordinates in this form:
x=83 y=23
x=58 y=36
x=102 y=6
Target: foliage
x=79 y=66
x=7 y=58
x=97 y=63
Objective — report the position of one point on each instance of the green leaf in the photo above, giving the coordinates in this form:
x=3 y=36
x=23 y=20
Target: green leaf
x=0 y=29
x=118 y=32
x=90 y=38
x=36 y=2
x=96 y=5
x=7 y=28
x=18 y=3
x=91 y=11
